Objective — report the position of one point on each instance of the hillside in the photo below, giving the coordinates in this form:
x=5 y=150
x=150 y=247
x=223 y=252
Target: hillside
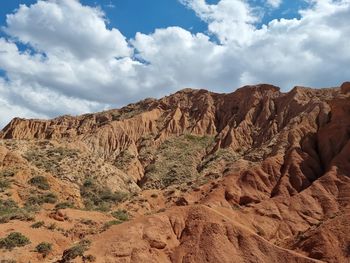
x=256 y=175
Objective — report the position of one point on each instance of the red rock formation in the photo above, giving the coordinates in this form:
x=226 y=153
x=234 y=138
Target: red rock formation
x=283 y=195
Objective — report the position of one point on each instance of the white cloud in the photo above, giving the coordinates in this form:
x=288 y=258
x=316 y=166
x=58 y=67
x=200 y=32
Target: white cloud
x=74 y=70
x=274 y=3
x=229 y=20
x=9 y=109
x=180 y=57
x=66 y=28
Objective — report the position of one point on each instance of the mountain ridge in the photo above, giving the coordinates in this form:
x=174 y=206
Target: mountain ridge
x=208 y=175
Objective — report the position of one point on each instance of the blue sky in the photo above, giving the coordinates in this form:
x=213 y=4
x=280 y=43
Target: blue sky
x=67 y=57
x=160 y=13
x=131 y=16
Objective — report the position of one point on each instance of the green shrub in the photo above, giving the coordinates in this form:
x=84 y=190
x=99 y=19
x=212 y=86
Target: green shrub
x=64 y=205
x=44 y=248
x=10 y=211
x=89 y=182
x=175 y=161
x=76 y=251
x=47 y=198
x=98 y=197
x=4 y=184
x=226 y=155
x=49 y=159
x=50 y=198
x=52 y=226
x=123 y=160
x=121 y=215
x=14 y=239
x=202 y=141
x=170 y=178
x=40 y=182
x=7 y=173
x=38 y=224
x=111 y=223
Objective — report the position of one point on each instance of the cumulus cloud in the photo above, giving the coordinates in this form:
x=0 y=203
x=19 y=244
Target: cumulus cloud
x=229 y=20
x=274 y=3
x=66 y=28
x=175 y=53
x=75 y=64
x=10 y=110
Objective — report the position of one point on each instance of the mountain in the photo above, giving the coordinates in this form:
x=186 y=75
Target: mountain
x=256 y=175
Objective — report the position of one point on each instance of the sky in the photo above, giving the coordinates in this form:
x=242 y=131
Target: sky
x=72 y=57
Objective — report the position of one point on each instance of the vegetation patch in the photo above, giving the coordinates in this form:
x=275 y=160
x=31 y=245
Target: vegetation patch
x=52 y=226
x=46 y=198
x=38 y=224
x=14 y=239
x=147 y=149
x=123 y=160
x=9 y=210
x=7 y=173
x=40 y=182
x=224 y=155
x=98 y=197
x=64 y=205
x=49 y=159
x=76 y=251
x=111 y=223
x=4 y=184
x=5 y=181
x=44 y=248
x=176 y=161
x=121 y=215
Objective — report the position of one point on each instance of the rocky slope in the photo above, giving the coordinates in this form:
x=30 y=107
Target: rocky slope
x=256 y=175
